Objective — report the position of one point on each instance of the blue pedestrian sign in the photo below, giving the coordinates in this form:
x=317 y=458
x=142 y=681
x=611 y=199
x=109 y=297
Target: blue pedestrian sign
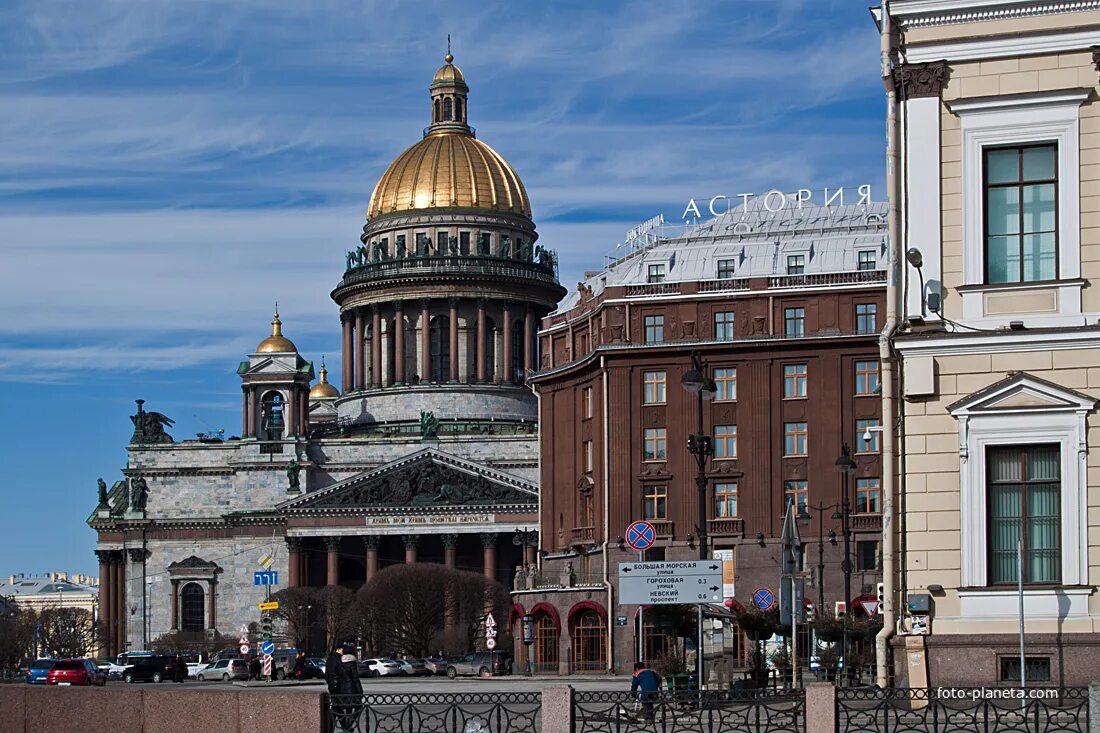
x=265 y=577
x=268 y=647
x=763 y=598
x=641 y=535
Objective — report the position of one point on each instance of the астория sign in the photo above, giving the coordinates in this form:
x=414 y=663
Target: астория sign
x=775 y=200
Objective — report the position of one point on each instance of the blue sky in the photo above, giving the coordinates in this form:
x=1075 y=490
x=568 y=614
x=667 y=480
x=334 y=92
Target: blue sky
x=169 y=169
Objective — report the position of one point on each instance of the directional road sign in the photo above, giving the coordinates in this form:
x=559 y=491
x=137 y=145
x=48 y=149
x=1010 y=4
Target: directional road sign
x=267 y=666
x=650 y=583
x=265 y=577
x=641 y=535
x=268 y=647
x=269 y=606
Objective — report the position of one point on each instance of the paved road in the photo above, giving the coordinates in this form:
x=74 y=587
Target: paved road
x=411 y=685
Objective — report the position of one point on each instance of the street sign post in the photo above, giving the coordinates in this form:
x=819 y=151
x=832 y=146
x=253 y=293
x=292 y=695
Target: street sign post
x=268 y=647
x=661 y=583
x=265 y=577
x=267 y=666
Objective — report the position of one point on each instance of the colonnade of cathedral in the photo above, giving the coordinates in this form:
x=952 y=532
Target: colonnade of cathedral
x=457 y=340
x=417 y=548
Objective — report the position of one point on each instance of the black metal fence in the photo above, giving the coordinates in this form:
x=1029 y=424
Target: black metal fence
x=694 y=712
x=954 y=710
x=473 y=712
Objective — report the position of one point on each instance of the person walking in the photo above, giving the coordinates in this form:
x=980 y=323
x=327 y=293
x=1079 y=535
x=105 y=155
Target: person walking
x=644 y=684
x=254 y=668
x=345 y=689
x=299 y=670
x=179 y=669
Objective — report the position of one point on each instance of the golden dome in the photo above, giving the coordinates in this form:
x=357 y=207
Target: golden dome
x=449 y=168
x=323 y=389
x=276 y=342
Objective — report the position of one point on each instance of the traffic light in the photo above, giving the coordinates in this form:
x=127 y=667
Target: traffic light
x=881 y=598
x=811 y=614
x=265 y=626
x=699 y=444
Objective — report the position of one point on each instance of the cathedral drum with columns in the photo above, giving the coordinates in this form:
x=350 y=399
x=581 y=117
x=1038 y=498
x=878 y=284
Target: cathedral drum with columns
x=428 y=453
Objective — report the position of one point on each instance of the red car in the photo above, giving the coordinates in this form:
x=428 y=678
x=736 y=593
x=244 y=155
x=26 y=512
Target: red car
x=67 y=672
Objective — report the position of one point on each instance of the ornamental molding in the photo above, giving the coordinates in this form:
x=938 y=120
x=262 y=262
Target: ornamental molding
x=952 y=12
x=921 y=80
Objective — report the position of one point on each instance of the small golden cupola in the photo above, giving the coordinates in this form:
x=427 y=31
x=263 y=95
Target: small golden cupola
x=276 y=343
x=323 y=390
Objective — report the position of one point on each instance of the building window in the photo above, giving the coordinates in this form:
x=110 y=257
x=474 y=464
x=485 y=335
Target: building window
x=439 y=343
x=586 y=455
x=273 y=415
x=192 y=608
x=866 y=318
x=866 y=259
x=586 y=402
x=653 y=388
x=794 y=320
x=795 y=492
x=654 y=329
x=867 y=377
x=726 y=381
x=655 y=502
x=868 y=492
x=464 y=243
x=655 y=274
x=796 y=264
x=517 y=374
x=1024 y=498
x=726 y=269
x=1021 y=213
x=1037 y=669
x=867 y=436
x=654 y=439
x=441 y=243
x=794 y=381
x=795 y=435
x=723 y=326
x=867 y=555
x=725 y=441
x=725 y=501
x=589 y=636
x=484 y=243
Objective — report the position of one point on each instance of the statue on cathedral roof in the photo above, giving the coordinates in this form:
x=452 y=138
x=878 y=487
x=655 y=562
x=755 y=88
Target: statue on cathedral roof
x=149 y=426
x=139 y=493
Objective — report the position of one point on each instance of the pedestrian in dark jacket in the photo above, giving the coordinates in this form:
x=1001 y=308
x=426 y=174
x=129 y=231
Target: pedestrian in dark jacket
x=332 y=670
x=645 y=684
x=342 y=676
x=180 y=669
x=299 y=662
x=254 y=668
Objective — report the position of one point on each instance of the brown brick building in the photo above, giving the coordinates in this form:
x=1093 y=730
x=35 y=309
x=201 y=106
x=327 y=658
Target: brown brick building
x=784 y=307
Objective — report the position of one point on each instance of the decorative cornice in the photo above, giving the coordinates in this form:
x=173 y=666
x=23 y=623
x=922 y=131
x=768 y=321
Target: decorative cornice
x=933 y=13
x=921 y=80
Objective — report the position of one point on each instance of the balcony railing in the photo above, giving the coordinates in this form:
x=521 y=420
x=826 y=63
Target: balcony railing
x=448 y=265
x=726 y=526
x=867 y=521
x=653 y=289
x=664 y=527
x=584 y=534
x=828 y=278
x=724 y=285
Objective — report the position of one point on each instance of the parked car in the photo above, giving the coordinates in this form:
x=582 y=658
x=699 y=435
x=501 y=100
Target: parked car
x=36 y=671
x=436 y=665
x=67 y=672
x=150 y=669
x=413 y=667
x=480 y=664
x=112 y=669
x=379 y=667
x=311 y=670
x=225 y=670
x=319 y=663
x=193 y=669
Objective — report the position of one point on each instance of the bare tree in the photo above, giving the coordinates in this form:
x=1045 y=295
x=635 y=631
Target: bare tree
x=416 y=609
x=192 y=642
x=66 y=632
x=297 y=607
x=16 y=640
x=337 y=612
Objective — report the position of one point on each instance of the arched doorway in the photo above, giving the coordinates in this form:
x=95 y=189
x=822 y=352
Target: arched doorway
x=192 y=608
x=273 y=418
x=544 y=652
x=588 y=632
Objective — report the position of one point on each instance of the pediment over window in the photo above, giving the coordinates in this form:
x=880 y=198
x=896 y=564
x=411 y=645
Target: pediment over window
x=193 y=567
x=1022 y=392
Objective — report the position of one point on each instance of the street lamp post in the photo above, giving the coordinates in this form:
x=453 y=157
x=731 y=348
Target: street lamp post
x=701 y=446
x=846 y=466
x=821 y=509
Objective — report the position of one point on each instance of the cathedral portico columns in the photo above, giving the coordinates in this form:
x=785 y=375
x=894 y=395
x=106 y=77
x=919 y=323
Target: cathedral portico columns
x=399 y=342
x=450 y=542
x=332 y=574
x=425 y=340
x=360 y=352
x=411 y=540
x=244 y=420
x=371 y=544
x=453 y=302
x=294 y=561
x=376 y=346
x=506 y=362
x=346 y=356
x=118 y=560
x=528 y=341
x=103 y=633
x=489 y=560
x=481 y=340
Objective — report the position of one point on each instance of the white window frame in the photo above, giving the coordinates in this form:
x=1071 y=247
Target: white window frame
x=1009 y=120
x=1022 y=410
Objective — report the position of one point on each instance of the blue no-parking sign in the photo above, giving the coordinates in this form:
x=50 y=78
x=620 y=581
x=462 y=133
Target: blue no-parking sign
x=763 y=598
x=641 y=535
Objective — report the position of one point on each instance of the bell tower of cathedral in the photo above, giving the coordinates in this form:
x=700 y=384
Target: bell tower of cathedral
x=275 y=389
